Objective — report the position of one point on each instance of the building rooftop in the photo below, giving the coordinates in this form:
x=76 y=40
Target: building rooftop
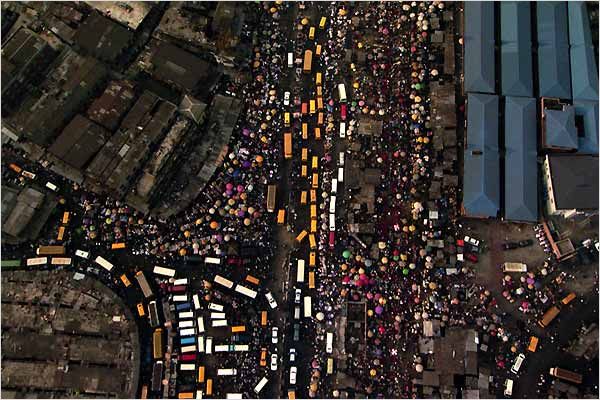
x=102 y=37
x=574 y=181
x=184 y=23
x=20 y=209
x=130 y=13
x=108 y=109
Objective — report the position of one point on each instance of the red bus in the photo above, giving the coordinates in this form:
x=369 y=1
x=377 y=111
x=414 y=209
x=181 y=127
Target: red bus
x=343 y=112
x=331 y=239
x=177 y=289
x=188 y=357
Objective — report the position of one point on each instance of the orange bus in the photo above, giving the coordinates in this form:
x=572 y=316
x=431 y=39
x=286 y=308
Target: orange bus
x=303 y=196
x=287 y=145
x=185 y=395
x=237 y=329
x=307 y=61
x=320 y=103
x=311 y=279
x=313 y=226
x=301 y=236
x=201 y=374
x=263 y=318
x=117 y=246
x=318 y=79
x=304 y=171
x=304 y=108
x=320 y=118
x=61 y=233
x=209 y=387
x=252 y=279
x=318 y=133
x=313 y=197
x=304 y=154
x=533 y=342
x=281 y=217
x=304 y=131
x=569 y=298
x=65 y=219
x=548 y=316
x=315 y=181
x=15 y=168
x=312 y=259
x=318 y=50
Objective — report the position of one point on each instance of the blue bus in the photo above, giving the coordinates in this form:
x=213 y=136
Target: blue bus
x=188 y=340
x=183 y=307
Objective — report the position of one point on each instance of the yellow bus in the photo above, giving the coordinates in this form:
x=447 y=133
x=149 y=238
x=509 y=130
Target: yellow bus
x=320 y=102
x=569 y=298
x=329 y=366
x=313 y=107
x=239 y=328
x=319 y=91
x=315 y=181
x=318 y=133
x=50 y=250
x=61 y=234
x=287 y=145
x=313 y=211
x=209 y=387
x=548 y=316
x=117 y=246
x=304 y=171
x=322 y=22
x=125 y=281
x=304 y=131
x=201 y=374
x=263 y=318
x=320 y=119
x=66 y=216
x=140 y=309
x=313 y=196
x=312 y=241
x=252 y=279
x=301 y=236
x=303 y=196
x=311 y=279
x=533 y=342
x=286 y=118
x=307 y=61
x=157 y=343
x=312 y=259
x=291 y=394
x=311 y=33
x=304 y=154
x=318 y=50
x=315 y=162
x=313 y=226
x=185 y=395
x=318 y=79
x=281 y=217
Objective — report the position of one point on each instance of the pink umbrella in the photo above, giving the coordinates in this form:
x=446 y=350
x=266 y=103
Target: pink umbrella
x=229 y=186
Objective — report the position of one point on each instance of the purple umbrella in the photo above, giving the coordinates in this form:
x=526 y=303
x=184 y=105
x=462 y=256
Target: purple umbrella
x=378 y=310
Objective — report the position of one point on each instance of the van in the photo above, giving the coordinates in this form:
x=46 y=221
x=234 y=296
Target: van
x=311 y=280
x=312 y=259
x=280 y=217
x=125 y=280
x=304 y=171
x=332 y=222
x=514 y=267
x=263 y=318
x=209 y=386
x=508 y=387
x=305 y=131
x=319 y=79
x=318 y=50
x=301 y=236
x=329 y=343
x=320 y=118
x=313 y=107
x=304 y=154
x=332 y=200
x=286 y=118
x=569 y=298
x=311 y=33
x=341 y=174
x=82 y=254
x=315 y=162
x=290 y=59
x=238 y=328
x=297 y=312
x=313 y=196
x=518 y=362
x=533 y=342
x=317 y=133
x=303 y=196
x=320 y=103
x=51 y=186
x=312 y=241
x=334 y=185
x=315 y=181
x=342 y=130
x=322 y=22
x=15 y=168
x=117 y=246
x=140 y=310
x=341 y=158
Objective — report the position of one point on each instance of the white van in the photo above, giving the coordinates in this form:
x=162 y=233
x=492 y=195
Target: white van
x=262 y=382
x=334 y=183
x=200 y=344
x=341 y=158
x=518 y=362
x=209 y=345
x=329 y=345
x=290 y=60
x=508 y=387
x=332 y=200
x=82 y=254
x=341 y=174
x=332 y=222
x=342 y=130
x=297 y=312
x=514 y=267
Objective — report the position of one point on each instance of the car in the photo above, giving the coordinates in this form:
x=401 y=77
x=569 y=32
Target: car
x=525 y=243
x=292 y=355
x=271 y=300
x=296 y=332
x=518 y=362
x=510 y=246
x=274 y=362
x=472 y=257
x=274 y=332
x=293 y=373
x=297 y=296
x=263 y=357
x=472 y=241
x=286 y=98
x=297 y=312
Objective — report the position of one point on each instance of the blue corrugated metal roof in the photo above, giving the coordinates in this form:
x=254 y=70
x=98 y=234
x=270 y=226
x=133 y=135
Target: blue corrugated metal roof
x=580 y=32
x=520 y=182
x=584 y=73
x=479 y=63
x=560 y=128
x=517 y=74
x=515 y=22
x=552 y=28
x=589 y=111
x=554 y=71
x=481 y=186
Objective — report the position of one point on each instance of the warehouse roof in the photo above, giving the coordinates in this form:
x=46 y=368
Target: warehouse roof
x=588 y=143
x=574 y=181
x=560 y=128
x=480 y=75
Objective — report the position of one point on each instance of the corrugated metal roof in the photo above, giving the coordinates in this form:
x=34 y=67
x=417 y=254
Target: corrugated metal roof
x=554 y=71
x=552 y=28
x=482 y=168
x=520 y=182
x=515 y=22
x=479 y=64
x=584 y=73
x=516 y=64
x=580 y=32
x=560 y=128
x=589 y=111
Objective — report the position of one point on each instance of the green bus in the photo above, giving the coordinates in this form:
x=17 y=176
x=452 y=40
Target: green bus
x=11 y=263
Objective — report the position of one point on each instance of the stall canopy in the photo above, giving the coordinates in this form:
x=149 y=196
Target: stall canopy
x=588 y=110
x=560 y=128
x=480 y=74
x=554 y=69
x=515 y=34
x=520 y=167
x=482 y=170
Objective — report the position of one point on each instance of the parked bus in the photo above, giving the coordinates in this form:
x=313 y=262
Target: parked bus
x=548 y=316
x=307 y=61
x=125 y=281
x=568 y=298
x=61 y=261
x=217 y=315
x=329 y=366
x=200 y=344
x=187 y=332
x=341 y=174
x=260 y=385
x=311 y=33
x=201 y=374
x=312 y=241
x=146 y=290
x=318 y=50
x=304 y=154
x=567 y=375
x=157 y=371
x=37 y=261
x=11 y=263
x=317 y=133
x=209 y=386
x=311 y=280
x=187 y=341
x=318 y=78
x=209 y=345
x=200 y=323
x=144 y=394
x=183 y=307
x=157 y=343
x=329 y=343
x=226 y=371
x=101 y=261
x=177 y=289
x=164 y=271
x=312 y=106
x=223 y=281
x=185 y=324
x=322 y=22
x=217 y=323
x=215 y=307
x=196 y=301
x=315 y=181
x=303 y=196
x=263 y=318
x=212 y=260
x=287 y=145
x=238 y=328
x=271 y=197
x=342 y=92
x=153 y=314
x=117 y=246
x=50 y=250
x=514 y=267
x=300 y=271
x=187 y=367
x=189 y=349
x=61 y=234
x=307 y=307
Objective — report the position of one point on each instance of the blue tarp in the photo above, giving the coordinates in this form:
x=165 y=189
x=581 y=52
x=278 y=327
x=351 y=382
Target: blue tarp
x=479 y=60
x=520 y=167
x=481 y=186
x=516 y=63
x=584 y=73
x=580 y=32
x=588 y=144
x=552 y=28
x=560 y=128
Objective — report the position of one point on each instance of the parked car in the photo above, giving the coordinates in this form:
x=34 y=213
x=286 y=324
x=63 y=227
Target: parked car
x=271 y=300
x=274 y=336
x=472 y=241
x=273 y=362
x=510 y=246
x=472 y=257
x=286 y=98
x=297 y=296
x=292 y=355
x=525 y=243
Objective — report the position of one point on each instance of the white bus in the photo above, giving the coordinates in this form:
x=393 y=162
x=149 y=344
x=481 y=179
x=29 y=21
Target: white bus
x=329 y=344
x=82 y=254
x=209 y=345
x=180 y=298
x=342 y=130
x=178 y=282
x=164 y=271
x=187 y=367
x=223 y=282
x=218 y=323
x=245 y=291
x=221 y=348
x=217 y=315
x=200 y=344
x=332 y=222
x=199 y=395
x=234 y=396
x=185 y=315
x=185 y=324
x=61 y=260
x=342 y=92
x=215 y=307
x=307 y=307
x=188 y=349
x=226 y=372
x=260 y=385
x=212 y=260
x=104 y=263
x=200 y=321
x=334 y=186
x=341 y=174
x=196 y=302
x=187 y=332
x=300 y=271
x=37 y=261
x=332 y=200
x=241 y=347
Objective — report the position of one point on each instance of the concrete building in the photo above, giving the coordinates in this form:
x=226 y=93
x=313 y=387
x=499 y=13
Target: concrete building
x=24 y=213
x=109 y=109
x=102 y=38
